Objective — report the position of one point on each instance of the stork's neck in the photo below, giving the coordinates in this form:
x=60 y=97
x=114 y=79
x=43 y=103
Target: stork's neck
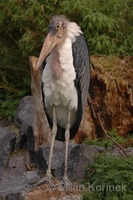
x=73 y=31
x=55 y=64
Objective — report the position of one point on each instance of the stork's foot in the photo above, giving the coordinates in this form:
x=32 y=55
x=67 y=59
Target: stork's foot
x=47 y=179
x=69 y=186
x=66 y=183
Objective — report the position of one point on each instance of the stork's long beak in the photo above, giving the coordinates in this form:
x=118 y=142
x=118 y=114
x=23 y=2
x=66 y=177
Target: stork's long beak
x=49 y=43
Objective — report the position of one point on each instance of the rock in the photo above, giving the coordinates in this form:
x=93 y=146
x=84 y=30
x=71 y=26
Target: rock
x=7 y=145
x=24 y=118
x=16 y=180
x=129 y=151
x=116 y=151
x=30 y=144
x=32 y=176
x=79 y=158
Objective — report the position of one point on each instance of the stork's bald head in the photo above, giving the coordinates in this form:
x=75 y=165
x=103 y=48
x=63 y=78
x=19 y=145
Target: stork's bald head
x=56 y=34
x=58 y=25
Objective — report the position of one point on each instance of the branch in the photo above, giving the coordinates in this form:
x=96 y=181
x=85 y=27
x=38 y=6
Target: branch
x=6 y=88
x=126 y=155
x=15 y=41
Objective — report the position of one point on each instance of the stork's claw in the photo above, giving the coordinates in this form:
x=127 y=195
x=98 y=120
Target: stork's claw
x=47 y=179
x=66 y=183
x=69 y=186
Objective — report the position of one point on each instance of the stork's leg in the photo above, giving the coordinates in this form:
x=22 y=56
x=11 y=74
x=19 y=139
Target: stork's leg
x=66 y=181
x=54 y=131
x=67 y=136
x=49 y=176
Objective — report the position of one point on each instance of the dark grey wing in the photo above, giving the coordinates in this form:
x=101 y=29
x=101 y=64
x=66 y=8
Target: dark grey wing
x=82 y=68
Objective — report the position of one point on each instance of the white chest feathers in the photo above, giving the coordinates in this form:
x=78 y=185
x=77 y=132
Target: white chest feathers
x=60 y=90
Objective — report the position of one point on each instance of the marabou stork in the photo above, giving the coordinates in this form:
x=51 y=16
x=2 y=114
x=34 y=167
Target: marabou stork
x=65 y=81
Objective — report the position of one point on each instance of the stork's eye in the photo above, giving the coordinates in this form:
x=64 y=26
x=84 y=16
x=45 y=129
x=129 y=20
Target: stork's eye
x=57 y=27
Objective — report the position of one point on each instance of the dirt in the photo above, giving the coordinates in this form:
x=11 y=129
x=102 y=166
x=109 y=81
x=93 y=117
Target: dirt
x=55 y=193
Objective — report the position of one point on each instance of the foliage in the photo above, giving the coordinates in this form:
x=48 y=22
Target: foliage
x=106 y=175
x=107 y=26
x=105 y=142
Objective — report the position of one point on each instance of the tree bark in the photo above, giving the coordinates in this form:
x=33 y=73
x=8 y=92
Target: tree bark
x=41 y=129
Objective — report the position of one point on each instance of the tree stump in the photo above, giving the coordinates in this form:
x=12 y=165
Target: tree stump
x=41 y=129
x=111 y=93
